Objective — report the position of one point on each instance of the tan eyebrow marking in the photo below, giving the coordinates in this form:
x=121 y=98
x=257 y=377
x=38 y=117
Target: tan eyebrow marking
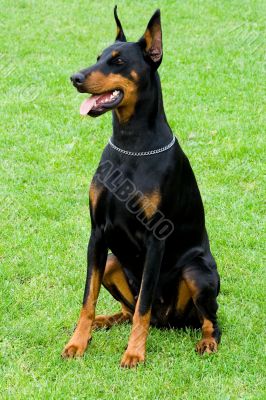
x=115 y=53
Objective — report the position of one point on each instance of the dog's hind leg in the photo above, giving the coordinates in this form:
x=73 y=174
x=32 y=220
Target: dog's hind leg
x=115 y=282
x=203 y=284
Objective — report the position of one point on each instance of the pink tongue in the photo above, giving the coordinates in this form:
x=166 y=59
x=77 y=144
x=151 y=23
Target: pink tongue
x=87 y=104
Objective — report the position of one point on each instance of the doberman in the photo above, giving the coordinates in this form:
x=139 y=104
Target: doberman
x=145 y=207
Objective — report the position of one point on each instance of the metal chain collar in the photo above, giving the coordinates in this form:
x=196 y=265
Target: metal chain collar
x=143 y=153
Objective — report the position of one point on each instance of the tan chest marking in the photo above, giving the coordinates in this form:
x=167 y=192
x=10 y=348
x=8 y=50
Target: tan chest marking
x=94 y=194
x=150 y=203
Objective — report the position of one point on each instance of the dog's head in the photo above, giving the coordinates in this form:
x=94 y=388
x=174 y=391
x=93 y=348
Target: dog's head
x=122 y=73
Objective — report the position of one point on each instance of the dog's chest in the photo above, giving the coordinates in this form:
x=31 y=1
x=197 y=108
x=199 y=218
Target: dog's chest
x=126 y=189
x=122 y=202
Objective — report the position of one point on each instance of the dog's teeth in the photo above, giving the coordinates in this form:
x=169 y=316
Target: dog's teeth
x=115 y=93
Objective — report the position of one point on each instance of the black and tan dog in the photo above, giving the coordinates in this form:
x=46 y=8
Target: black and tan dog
x=145 y=208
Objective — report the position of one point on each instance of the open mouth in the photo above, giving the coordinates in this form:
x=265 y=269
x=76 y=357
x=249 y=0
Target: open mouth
x=98 y=104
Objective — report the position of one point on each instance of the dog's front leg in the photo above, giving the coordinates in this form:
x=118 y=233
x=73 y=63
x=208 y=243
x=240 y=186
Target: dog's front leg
x=135 y=352
x=97 y=254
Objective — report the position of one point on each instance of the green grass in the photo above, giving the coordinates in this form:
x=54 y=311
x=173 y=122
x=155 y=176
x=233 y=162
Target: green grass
x=213 y=78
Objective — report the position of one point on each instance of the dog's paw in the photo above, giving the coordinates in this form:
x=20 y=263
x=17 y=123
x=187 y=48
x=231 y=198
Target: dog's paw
x=207 y=346
x=131 y=359
x=74 y=348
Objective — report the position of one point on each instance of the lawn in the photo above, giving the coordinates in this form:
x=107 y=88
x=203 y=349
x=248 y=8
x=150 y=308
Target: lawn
x=213 y=78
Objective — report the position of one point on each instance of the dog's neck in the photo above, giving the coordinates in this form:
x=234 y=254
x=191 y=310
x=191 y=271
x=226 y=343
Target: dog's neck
x=147 y=129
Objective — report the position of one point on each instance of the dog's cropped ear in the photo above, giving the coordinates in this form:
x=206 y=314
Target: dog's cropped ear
x=120 y=33
x=151 y=41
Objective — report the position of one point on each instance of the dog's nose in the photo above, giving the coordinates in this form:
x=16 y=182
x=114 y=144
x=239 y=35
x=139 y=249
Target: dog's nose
x=77 y=79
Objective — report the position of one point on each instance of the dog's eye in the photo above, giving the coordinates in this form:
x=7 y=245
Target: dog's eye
x=118 y=61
